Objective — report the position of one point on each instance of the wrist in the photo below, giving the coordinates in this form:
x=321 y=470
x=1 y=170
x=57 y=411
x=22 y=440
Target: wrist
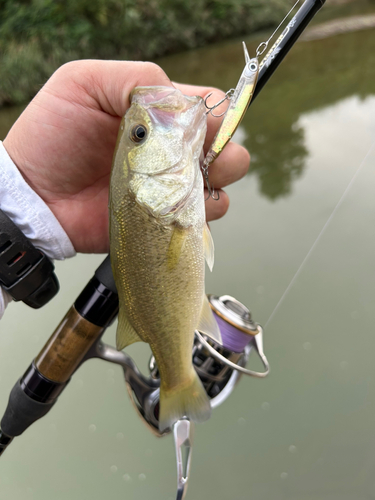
x=30 y=213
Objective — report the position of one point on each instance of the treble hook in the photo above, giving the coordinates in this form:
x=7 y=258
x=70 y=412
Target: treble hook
x=211 y=190
x=227 y=97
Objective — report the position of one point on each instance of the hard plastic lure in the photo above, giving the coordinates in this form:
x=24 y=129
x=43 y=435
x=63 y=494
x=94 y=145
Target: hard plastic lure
x=239 y=100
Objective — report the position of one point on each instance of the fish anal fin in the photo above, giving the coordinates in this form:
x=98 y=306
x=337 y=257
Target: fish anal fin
x=125 y=334
x=208 y=243
x=207 y=322
x=190 y=401
x=176 y=245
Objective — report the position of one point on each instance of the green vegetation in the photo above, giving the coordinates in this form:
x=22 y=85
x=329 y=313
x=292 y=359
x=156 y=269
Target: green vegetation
x=37 y=36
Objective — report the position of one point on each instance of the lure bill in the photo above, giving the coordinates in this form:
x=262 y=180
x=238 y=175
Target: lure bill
x=238 y=104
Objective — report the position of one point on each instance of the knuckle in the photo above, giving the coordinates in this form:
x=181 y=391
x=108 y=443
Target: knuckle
x=69 y=72
x=69 y=68
x=151 y=74
x=153 y=68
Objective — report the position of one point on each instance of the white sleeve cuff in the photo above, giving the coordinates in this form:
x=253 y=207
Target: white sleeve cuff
x=29 y=212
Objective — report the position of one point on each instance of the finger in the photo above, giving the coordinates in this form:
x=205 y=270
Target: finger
x=216 y=208
x=106 y=85
x=232 y=165
x=213 y=123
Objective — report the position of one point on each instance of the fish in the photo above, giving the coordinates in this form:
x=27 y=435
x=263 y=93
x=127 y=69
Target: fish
x=159 y=241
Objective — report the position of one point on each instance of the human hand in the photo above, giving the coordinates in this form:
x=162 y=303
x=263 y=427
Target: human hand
x=64 y=141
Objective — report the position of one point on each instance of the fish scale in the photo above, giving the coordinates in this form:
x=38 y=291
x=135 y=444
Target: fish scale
x=157 y=234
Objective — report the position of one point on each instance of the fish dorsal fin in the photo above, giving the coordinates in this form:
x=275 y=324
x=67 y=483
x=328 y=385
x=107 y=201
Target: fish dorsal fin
x=176 y=245
x=207 y=322
x=208 y=243
x=125 y=334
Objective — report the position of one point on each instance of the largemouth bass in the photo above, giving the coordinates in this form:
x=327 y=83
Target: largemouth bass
x=159 y=240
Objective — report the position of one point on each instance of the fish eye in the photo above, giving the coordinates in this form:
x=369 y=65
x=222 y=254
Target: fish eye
x=138 y=133
x=253 y=67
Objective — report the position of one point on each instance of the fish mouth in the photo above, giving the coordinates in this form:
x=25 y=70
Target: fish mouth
x=163 y=97
x=168 y=105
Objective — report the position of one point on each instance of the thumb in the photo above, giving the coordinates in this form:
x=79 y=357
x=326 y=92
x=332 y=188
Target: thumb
x=106 y=85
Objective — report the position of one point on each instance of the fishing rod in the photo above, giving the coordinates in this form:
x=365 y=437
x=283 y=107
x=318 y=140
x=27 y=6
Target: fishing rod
x=78 y=337
x=285 y=41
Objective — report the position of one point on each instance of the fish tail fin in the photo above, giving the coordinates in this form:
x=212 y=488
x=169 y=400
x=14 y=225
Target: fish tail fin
x=191 y=402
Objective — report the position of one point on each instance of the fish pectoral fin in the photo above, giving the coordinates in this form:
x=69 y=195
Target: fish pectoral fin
x=208 y=243
x=176 y=245
x=125 y=334
x=207 y=322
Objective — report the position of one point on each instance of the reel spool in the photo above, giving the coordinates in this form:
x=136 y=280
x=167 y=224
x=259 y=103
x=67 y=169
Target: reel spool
x=238 y=331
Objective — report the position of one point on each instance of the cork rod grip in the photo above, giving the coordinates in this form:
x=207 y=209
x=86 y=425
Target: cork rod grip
x=67 y=346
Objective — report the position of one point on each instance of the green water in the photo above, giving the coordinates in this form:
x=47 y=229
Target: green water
x=307 y=431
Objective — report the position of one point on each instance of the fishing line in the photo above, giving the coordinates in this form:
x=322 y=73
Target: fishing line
x=312 y=248
x=263 y=46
